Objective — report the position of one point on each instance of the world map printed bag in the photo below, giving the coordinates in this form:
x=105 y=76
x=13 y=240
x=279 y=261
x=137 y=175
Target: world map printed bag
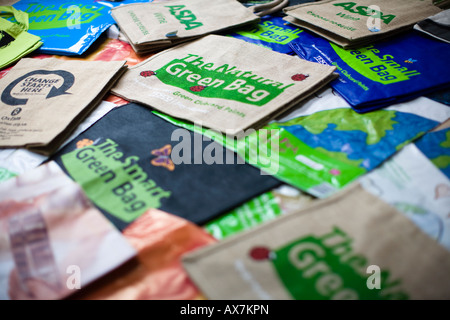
x=43 y=100
x=132 y=160
x=322 y=145
x=154 y=26
x=349 y=246
x=384 y=73
x=15 y=41
x=67 y=27
x=352 y=24
x=244 y=88
x=435 y=146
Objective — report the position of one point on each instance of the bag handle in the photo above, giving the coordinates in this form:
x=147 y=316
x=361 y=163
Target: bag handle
x=268 y=8
x=14 y=29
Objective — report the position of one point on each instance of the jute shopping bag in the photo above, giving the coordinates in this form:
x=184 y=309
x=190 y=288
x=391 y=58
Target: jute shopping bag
x=43 y=100
x=349 y=246
x=229 y=92
x=350 y=24
x=152 y=26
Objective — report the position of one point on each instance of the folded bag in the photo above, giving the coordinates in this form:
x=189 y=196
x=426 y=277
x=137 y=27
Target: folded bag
x=15 y=41
x=153 y=26
x=67 y=27
x=437 y=26
x=54 y=241
x=349 y=24
x=231 y=92
x=350 y=246
x=384 y=73
x=43 y=100
x=132 y=160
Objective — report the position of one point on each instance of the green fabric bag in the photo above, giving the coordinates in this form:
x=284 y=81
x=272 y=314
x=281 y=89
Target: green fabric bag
x=15 y=41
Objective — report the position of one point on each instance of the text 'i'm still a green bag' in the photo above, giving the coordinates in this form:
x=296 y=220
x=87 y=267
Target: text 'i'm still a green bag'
x=15 y=41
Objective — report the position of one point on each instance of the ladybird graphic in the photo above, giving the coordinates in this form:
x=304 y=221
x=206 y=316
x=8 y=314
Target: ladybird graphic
x=299 y=77
x=197 y=88
x=148 y=73
x=261 y=253
x=84 y=143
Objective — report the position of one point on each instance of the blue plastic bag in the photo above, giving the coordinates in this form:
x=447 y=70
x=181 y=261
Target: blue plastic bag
x=66 y=27
x=383 y=73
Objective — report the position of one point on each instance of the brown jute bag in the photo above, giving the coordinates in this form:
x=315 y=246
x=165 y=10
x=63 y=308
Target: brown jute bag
x=352 y=24
x=222 y=83
x=43 y=100
x=153 y=26
x=349 y=246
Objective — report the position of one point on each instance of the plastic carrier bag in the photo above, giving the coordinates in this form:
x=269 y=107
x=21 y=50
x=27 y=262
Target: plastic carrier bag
x=66 y=27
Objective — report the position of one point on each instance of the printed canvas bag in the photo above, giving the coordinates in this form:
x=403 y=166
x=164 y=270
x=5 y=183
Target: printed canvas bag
x=153 y=26
x=350 y=246
x=229 y=92
x=43 y=100
x=350 y=24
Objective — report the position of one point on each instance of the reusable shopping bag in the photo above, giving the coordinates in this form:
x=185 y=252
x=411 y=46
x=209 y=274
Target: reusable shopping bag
x=232 y=92
x=349 y=246
x=15 y=41
x=359 y=22
x=67 y=27
x=155 y=26
x=384 y=73
x=132 y=160
x=44 y=100
x=437 y=26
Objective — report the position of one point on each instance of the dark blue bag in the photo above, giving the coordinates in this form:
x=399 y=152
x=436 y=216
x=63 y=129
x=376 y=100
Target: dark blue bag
x=383 y=73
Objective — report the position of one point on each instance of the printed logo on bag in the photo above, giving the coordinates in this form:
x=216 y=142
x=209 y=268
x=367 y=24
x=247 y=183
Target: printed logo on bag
x=270 y=32
x=377 y=66
x=363 y=11
x=115 y=182
x=39 y=83
x=325 y=267
x=5 y=39
x=184 y=16
x=60 y=15
x=163 y=158
x=206 y=79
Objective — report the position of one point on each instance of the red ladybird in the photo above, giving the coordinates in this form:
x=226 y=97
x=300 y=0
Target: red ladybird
x=299 y=77
x=260 y=253
x=148 y=73
x=197 y=88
